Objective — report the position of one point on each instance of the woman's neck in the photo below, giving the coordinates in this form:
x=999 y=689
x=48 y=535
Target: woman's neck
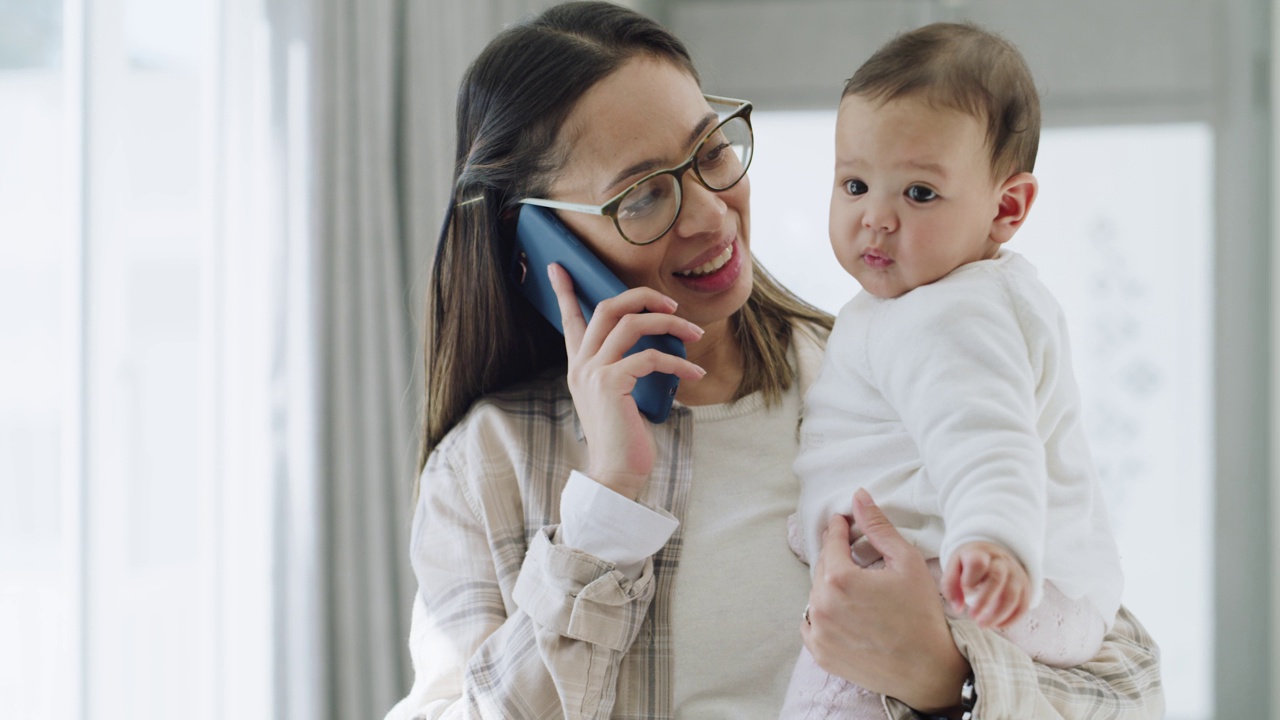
x=719 y=353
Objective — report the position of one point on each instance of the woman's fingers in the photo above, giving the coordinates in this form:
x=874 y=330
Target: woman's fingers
x=634 y=302
x=617 y=323
x=880 y=628
x=571 y=318
x=651 y=360
x=832 y=570
x=864 y=553
x=835 y=563
x=611 y=311
x=620 y=378
x=873 y=523
x=601 y=376
x=631 y=328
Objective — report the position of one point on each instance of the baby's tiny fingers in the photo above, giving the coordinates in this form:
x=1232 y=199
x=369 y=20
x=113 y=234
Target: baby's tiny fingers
x=975 y=569
x=952 y=589
x=1002 y=607
x=985 y=601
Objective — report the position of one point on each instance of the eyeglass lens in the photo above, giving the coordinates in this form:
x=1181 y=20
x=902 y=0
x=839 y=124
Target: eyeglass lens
x=649 y=209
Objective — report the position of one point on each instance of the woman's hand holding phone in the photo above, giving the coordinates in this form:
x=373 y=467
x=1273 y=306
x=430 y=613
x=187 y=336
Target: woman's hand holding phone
x=619 y=439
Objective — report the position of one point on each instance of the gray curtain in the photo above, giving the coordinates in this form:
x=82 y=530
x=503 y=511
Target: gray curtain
x=384 y=77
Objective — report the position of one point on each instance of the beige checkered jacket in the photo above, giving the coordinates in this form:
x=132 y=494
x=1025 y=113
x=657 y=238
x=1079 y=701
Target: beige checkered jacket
x=508 y=624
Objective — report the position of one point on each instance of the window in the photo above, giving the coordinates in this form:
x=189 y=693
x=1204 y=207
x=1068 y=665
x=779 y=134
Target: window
x=148 y=567
x=135 y=511
x=39 y=311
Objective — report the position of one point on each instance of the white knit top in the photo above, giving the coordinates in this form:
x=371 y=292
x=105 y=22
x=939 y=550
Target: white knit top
x=955 y=405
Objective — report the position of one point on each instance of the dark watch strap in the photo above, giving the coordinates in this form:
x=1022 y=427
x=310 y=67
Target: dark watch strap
x=968 y=698
x=968 y=701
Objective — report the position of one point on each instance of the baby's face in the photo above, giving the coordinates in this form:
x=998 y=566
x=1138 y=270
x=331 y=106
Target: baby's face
x=913 y=197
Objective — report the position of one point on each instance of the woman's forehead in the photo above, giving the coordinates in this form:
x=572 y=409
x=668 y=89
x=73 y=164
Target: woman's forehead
x=648 y=112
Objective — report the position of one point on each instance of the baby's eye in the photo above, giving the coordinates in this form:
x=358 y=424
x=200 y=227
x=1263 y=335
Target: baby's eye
x=855 y=187
x=921 y=194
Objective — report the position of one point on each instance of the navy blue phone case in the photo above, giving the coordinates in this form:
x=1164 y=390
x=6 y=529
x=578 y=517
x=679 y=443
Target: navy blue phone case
x=541 y=239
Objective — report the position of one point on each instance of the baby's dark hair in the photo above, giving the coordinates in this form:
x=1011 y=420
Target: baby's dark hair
x=962 y=67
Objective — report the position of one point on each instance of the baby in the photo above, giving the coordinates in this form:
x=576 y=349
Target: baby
x=947 y=390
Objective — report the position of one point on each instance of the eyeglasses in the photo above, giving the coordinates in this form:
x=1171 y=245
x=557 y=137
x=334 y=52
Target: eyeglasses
x=647 y=209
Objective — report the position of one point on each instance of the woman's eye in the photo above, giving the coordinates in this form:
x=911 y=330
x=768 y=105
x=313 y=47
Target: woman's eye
x=642 y=200
x=855 y=187
x=920 y=193
x=712 y=154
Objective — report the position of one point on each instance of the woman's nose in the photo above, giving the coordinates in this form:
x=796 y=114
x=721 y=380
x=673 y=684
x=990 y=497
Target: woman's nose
x=701 y=210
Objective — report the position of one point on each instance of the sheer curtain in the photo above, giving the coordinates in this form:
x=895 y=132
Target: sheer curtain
x=215 y=225
x=385 y=75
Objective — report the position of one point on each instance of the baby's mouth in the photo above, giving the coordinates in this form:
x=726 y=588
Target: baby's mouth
x=876 y=259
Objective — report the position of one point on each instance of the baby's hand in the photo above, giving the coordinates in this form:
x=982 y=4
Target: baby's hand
x=989 y=581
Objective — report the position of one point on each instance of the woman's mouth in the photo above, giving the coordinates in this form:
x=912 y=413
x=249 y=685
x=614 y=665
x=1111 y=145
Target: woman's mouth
x=711 y=265
x=716 y=274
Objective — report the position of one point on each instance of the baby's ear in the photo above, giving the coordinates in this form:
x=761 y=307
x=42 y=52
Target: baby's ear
x=1016 y=196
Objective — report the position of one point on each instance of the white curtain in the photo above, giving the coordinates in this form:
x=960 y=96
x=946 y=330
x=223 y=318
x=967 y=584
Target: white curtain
x=384 y=77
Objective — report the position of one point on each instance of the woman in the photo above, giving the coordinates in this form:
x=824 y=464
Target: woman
x=657 y=581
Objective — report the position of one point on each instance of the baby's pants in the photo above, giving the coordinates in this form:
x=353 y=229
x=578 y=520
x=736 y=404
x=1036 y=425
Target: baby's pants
x=1059 y=631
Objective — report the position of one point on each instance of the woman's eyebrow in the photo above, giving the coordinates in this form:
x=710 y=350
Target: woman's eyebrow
x=649 y=165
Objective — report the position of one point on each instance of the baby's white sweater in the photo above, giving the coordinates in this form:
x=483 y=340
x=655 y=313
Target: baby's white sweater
x=955 y=406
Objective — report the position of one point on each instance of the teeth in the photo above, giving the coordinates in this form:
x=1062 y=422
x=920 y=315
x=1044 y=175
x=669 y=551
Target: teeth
x=712 y=265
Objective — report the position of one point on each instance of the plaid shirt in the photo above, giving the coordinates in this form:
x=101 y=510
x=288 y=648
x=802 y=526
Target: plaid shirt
x=510 y=624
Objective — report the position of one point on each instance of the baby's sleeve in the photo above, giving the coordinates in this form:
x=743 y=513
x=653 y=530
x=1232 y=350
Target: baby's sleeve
x=956 y=362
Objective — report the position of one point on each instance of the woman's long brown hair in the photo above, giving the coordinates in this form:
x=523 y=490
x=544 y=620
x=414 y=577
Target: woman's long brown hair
x=481 y=336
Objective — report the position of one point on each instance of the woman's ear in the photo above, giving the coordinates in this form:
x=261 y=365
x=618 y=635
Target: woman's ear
x=1016 y=196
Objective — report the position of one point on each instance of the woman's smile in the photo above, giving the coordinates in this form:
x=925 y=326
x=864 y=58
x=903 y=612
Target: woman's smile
x=715 y=275
x=709 y=266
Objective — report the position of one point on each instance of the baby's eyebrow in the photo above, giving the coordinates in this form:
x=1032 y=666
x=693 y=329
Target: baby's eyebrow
x=934 y=168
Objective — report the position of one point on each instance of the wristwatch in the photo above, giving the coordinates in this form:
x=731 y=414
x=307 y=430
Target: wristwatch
x=968 y=698
x=968 y=701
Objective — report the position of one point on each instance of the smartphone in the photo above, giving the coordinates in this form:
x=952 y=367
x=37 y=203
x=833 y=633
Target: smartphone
x=541 y=239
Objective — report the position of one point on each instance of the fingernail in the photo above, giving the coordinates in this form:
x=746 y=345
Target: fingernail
x=701 y=370
x=698 y=329
x=864 y=497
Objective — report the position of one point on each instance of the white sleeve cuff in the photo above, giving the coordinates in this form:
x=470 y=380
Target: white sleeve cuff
x=600 y=522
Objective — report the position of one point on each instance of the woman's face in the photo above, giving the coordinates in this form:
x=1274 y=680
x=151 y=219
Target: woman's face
x=649 y=115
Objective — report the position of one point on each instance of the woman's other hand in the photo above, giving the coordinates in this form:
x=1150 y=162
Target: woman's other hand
x=882 y=628
x=619 y=439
